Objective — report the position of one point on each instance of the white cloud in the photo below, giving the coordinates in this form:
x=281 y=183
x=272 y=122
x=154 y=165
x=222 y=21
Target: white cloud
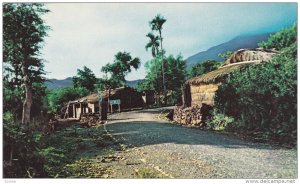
x=92 y=33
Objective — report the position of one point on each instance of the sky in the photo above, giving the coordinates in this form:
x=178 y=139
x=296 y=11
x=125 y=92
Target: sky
x=90 y=34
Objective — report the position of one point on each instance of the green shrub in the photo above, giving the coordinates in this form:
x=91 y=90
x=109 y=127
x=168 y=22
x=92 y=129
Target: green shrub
x=59 y=149
x=220 y=121
x=204 y=67
x=264 y=97
x=21 y=151
x=85 y=168
x=148 y=173
x=281 y=39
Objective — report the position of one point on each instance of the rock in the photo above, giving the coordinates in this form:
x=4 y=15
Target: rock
x=143 y=160
x=132 y=162
x=105 y=175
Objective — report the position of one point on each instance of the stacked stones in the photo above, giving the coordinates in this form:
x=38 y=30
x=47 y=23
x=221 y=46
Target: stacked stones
x=195 y=115
x=89 y=119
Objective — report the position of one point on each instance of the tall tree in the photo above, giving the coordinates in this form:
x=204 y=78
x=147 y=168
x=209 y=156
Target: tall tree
x=175 y=74
x=23 y=34
x=154 y=45
x=153 y=75
x=121 y=66
x=156 y=24
x=85 y=78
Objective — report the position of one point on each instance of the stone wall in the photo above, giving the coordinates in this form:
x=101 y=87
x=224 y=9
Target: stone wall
x=195 y=115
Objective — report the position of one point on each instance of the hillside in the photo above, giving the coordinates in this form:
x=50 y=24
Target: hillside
x=247 y=41
x=133 y=83
x=56 y=83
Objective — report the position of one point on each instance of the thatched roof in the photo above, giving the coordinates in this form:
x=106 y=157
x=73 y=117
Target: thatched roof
x=216 y=75
x=237 y=60
x=92 y=98
x=250 y=55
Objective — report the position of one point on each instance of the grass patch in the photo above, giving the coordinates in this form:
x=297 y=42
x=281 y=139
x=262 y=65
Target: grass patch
x=71 y=152
x=86 y=168
x=148 y=173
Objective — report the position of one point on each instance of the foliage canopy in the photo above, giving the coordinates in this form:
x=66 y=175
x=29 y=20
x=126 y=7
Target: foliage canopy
x=264 y=97
x=121 y=66
x=85 y=78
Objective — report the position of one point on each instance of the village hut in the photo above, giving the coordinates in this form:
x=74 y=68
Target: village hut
x=199 y=92
x=129 y=98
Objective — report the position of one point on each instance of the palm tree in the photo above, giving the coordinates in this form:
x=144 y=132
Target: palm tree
x=153 y=44
x=156 y=25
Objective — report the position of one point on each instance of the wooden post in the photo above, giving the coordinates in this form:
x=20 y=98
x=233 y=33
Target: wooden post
x=119 y=108
x=74 y=111
x=111 y=109
x=67 y=111
x=80 y=112
x=108 y=99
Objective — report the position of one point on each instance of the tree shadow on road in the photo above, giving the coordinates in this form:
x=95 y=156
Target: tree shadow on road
x=142 y=133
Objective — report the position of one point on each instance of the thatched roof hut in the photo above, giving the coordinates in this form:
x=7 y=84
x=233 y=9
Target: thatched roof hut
x=199 y=92
x=128 y=97
x=202 y=89
x=117 y=93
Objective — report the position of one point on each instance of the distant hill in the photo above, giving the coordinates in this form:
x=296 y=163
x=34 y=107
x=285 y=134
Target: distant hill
x=246 y=41
x=133 y=83
x=56 y=83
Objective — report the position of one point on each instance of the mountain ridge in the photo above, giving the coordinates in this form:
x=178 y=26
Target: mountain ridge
x=238 y=42
x=67 y=82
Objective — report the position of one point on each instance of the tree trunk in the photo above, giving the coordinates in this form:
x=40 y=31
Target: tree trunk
x=108 y=101
x=157 y=84
x=28 y=93
x=27 y=103
x=163 y=70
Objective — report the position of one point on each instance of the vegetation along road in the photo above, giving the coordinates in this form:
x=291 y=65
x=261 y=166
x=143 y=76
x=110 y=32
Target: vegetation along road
x=154 y=147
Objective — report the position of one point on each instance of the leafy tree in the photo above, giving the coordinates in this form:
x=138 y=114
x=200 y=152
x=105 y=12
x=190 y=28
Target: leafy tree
x=204 y=67
x=156 y=24
x=153 y=44
x=23 y=34
x=281 y=39
x=153 y=76
x=121 y=66
x=175 y=74
x=225 y=55
x=59 y=97
x=175 y=77
x=85 y=78
x=39 y=97
x=103 y=83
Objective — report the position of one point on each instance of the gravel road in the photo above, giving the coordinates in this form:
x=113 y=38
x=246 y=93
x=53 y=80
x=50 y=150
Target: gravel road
x=182 y=152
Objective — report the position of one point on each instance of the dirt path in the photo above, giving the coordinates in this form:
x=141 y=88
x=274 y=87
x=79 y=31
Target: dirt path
x=175 y=151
